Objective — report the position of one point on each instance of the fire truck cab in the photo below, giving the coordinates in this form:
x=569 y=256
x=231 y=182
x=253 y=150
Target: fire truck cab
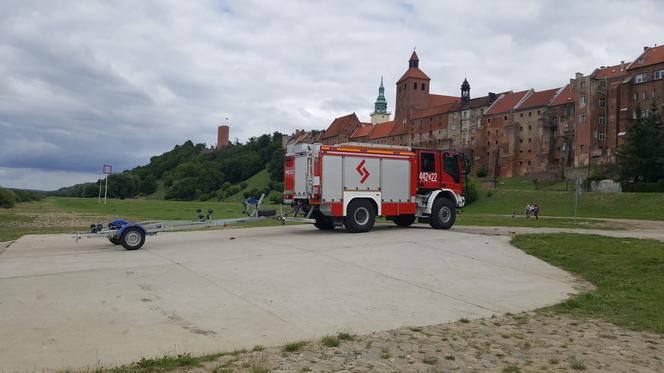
x=350 y=184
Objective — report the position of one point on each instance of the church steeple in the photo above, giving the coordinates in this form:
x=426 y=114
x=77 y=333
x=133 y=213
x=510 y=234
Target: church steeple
x=381 y=103
x=465 y=90
x=414 y=61
x=380 y=113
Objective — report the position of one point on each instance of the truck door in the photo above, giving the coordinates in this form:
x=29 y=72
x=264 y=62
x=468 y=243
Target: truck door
x=451 y=175
x=429 y=170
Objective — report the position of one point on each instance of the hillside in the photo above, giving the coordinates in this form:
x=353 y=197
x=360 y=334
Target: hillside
x=194 y=171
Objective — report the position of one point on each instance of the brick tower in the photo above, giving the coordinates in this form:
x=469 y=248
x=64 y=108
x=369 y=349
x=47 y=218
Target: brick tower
x=412 y=90
x=222 y=136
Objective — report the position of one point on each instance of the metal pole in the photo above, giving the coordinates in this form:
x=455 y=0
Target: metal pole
x=99 y=198
x=106 y=190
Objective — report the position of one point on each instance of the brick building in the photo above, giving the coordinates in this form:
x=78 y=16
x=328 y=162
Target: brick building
x=516 y=133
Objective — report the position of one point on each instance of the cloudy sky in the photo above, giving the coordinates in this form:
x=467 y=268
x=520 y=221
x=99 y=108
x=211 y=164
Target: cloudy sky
x=87 y=83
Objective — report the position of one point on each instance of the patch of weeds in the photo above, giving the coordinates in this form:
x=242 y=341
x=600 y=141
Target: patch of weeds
x=305 y=369
x=464 y=320
x=294 y=346
x=258 y=348
x=345 y=336
x=527 y=345
x=450 y=357
x=221 y=369
x=163 y=363
x=368 y=345
x=415 y=328
x=511 y=369
x=553 y=361
x=577 y=364
x=431 y=360
x=330 y=341
x=520 y=319
x=385 y=353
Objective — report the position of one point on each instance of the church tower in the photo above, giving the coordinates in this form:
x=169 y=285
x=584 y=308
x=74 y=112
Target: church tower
x=465 y=90
x=412 y=90
x=380 y=113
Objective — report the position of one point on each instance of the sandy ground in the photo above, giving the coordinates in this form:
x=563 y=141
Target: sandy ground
x=526 y=342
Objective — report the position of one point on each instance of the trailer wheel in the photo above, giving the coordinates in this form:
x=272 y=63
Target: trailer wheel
x=443 y=214
x=132 y=238
x=360 y=216
x=115 y=241
x=404 y=220
x=323 y=222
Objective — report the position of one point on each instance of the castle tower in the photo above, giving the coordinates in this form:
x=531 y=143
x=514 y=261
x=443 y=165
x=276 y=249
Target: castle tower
x=380 y=113
x=412 y=90
x=465 y=90
x=222 y=136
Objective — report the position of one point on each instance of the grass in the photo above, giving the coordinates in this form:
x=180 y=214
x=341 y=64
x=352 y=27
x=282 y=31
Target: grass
x=627 y=272
x=430 y=360
x=330 y=341
x=577 y=364
x=259 y=181
x=161 y=364
x=488 y=220
x=647 y=206
x=294 y=346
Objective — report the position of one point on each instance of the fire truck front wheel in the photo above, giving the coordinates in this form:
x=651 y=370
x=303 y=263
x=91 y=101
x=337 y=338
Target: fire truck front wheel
x=360 y=216
x=443 y=214
x=404 y=220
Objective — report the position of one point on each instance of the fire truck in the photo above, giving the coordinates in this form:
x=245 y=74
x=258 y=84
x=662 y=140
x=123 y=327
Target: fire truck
x=351 y=184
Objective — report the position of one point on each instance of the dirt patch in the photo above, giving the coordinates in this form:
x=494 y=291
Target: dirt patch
x=527 y=342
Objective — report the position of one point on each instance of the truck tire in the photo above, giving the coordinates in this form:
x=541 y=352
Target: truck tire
x=132 y=238
x=323 y=222
x=443 y=214
x=360 y=216
x=404 y=220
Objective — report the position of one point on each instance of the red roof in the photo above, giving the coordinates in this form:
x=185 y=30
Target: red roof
x=400 y=129
x=381 y=130
x=609 y=72
x=339 y=124
x=540 y=98
x=413 y=72
x=434 y=110
x=506 y=102
x=439 y=100
x=362 y=131
x=650 y=56
x=565 y=96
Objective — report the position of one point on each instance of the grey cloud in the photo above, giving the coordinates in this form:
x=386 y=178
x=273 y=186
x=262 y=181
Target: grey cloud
x=87 y=83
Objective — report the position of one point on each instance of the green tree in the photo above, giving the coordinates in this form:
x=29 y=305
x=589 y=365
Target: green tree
x=7 y=198
x=641 y=158
x=148 y=184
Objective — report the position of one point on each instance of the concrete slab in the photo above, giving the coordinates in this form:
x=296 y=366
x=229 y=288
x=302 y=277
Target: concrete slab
x=72 y=305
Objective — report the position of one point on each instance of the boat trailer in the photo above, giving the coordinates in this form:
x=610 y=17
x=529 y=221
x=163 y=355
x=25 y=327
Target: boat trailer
x=131 y=235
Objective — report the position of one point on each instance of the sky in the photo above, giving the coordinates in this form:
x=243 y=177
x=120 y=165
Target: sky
x=88 y=83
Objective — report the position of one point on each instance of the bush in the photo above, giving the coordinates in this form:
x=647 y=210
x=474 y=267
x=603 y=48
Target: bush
x=482 y=172
x=7 y=198
x=233 y=190
x=489 y=194
x=276 y=197
x=657 y=187
x=225 y=186
x=471 y=193
x=243 y=185
x=204 y=197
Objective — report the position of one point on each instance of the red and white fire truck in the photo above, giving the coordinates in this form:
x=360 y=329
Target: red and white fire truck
x=350 y=184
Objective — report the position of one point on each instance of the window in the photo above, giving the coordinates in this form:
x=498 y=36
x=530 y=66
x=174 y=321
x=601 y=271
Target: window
x=451 y=166
x=602 y=120
x=658 y=74
x=530 y=113
x=582 y=84
x=602 y=135
x=643 y=95
x=414 y=85
x=582 y=100
x=602 y=102
x=636 y=96
x=640 y=78
x=489 y=120
x=529 y=140
x=582 y=118
x=422 y=88
x=521 y=115
x=530 y=127
x=653 y=94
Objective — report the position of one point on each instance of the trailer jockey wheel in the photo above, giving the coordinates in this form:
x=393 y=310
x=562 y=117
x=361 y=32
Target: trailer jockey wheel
x=360 y=216
x=323 y=222
x=443 y=214
x=132 y=238
x=404 y=220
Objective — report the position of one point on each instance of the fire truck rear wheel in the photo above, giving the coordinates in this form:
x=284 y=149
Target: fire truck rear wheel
x=132 y=238
x=360 y=216
x=323 y=222
x=443 y=214
x=404 y=220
